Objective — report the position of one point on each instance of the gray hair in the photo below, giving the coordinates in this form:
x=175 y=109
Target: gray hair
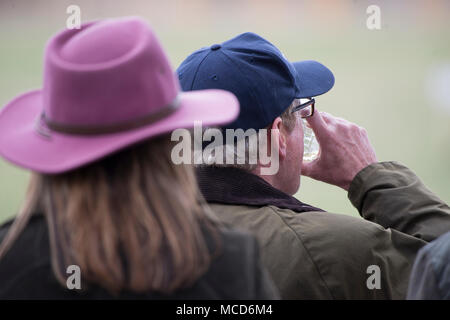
x=243 y=152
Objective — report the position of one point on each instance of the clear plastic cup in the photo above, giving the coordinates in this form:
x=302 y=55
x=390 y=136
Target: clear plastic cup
x=311 y=145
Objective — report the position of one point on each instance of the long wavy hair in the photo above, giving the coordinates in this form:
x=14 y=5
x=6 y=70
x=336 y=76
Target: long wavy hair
x=132 y=221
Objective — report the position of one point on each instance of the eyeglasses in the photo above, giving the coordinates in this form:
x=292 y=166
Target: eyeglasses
x=306 y=109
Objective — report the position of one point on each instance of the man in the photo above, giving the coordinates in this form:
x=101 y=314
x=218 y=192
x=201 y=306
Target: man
x=312 y=254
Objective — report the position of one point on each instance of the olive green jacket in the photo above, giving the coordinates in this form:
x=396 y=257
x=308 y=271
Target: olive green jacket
x=322 y=255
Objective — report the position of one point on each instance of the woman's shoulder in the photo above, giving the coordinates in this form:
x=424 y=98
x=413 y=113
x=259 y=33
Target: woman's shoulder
x=27 y=260
x=36 y=225
x=32 y=238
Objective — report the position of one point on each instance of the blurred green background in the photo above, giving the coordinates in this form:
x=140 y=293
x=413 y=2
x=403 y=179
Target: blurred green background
x=395 y=81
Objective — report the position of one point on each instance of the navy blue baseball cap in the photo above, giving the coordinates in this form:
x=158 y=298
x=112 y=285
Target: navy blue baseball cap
x=262 y=79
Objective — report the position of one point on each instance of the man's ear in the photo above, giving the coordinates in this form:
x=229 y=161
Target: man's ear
x=279 y=136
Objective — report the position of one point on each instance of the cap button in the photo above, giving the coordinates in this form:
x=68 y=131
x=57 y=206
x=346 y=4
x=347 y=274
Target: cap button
x=215 y=46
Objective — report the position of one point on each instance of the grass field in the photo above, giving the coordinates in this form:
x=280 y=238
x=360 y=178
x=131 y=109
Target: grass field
x=380 y=84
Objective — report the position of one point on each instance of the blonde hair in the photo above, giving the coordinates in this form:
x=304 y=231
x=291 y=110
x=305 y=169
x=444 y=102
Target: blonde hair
x=133 y=221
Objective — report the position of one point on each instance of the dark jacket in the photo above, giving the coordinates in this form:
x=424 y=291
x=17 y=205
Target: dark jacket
x=430 y=276
x=26 y=273
x=312 y=254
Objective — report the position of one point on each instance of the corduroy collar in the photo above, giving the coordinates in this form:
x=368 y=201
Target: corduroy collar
x=239 y=187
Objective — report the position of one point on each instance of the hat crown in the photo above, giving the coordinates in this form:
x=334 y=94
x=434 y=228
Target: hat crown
x=101 y=42
x=106 y=73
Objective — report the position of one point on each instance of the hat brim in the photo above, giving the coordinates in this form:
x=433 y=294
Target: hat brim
x=23 y=145
x=314 y=78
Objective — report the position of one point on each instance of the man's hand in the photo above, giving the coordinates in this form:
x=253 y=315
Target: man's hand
x=344 y=150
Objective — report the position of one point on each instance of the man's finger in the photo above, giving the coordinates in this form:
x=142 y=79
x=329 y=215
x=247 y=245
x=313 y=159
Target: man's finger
x=318 y=125
x=330 y=119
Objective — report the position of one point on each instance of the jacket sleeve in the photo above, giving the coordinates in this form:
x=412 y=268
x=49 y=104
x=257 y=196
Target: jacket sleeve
x=391 y=195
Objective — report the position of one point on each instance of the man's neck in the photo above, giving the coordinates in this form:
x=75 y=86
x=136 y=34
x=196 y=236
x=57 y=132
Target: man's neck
x=273 y=180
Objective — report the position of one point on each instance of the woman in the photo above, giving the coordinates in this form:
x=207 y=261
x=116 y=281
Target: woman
x=105 y=202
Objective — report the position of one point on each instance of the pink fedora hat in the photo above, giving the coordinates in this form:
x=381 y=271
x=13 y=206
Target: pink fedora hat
x=106 y=86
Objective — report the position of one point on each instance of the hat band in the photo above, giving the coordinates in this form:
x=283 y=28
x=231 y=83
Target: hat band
x=112 y=128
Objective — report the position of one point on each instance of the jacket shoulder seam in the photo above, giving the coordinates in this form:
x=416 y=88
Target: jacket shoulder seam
x=306 y=249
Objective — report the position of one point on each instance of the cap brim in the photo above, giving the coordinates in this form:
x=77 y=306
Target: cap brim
x=314 y=78
x=23 y=145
